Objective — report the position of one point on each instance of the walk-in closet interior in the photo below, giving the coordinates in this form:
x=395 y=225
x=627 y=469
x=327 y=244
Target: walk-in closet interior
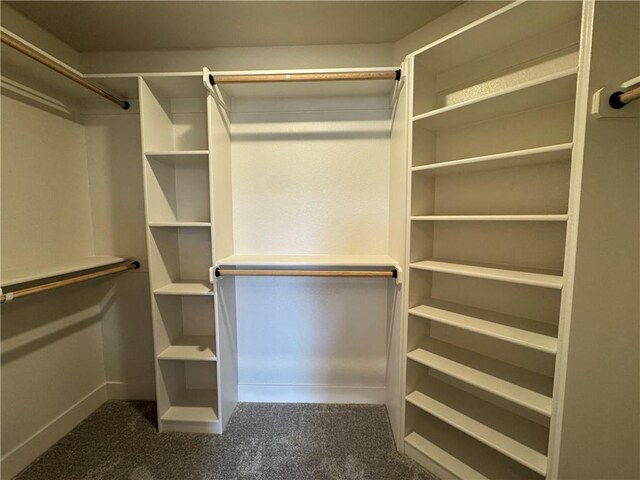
x=416 y=222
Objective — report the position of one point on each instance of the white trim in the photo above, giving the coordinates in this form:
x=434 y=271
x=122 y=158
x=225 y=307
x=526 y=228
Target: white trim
x=20 y=457
x=426 y=462
x=131 y=391
x=310 y=394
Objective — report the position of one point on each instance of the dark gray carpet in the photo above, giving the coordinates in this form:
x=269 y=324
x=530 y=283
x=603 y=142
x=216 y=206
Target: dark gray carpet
x=263 y=441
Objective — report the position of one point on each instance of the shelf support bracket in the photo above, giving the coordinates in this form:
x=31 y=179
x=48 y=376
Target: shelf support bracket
x=213 y=89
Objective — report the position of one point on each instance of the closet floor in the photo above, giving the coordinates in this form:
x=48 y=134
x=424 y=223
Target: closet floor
x=263 y=441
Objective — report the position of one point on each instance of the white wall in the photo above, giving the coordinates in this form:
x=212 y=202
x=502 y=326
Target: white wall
x=601 y=424
x=51 y=344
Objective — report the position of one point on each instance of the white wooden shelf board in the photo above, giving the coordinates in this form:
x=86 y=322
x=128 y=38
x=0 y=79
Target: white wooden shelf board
x=442 y=458
x=180 y=157
x=32 y=274
x=180 y=224
x=516 y=21
x=484 y=381
x=185 y=288
x=193 y=406
x=199 y=348
x=167 y=84
x=509 y=447
x=547 y=90
x=309 y=260
x=517 y=158
x=546 y=280
x=492 y=218
x=518 y=336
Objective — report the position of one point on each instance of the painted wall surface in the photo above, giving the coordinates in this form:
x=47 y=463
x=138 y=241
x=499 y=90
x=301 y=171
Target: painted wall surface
x=601 y=429
x=51 y=344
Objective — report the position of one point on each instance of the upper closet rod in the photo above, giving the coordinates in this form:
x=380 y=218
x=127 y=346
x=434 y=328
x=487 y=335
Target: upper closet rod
x=305 y=77
x=29 y=51
x=618 y=100
x=129 y=265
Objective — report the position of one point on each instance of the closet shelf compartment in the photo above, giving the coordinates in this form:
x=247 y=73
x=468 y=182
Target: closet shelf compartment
x=516 y=21
x=199 y=348
x=519 y=395
x=482 y=326
x=185 y=288
x=509 y=447
x=180 y=224
x=309 y=261
x=441 y=457
x=518 y=158
x=193 y=406
x=535 y=279
x=547 y=90
x=491 y=218
x=184 y=157
x=31 y=274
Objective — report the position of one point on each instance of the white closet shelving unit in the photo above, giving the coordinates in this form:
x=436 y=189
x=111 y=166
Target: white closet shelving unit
x=178 y=200
x=491 y=141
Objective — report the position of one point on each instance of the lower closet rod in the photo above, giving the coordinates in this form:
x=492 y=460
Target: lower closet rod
x=306 y=273
x=5 y=297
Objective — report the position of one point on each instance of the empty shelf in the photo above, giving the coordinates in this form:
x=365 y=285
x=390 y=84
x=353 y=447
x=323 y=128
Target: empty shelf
x=180 y=224
x=31 y=274
x=185 y=288
x=492 y=273
x=492 y=218
x=518 y=158
x=513 y=449
x=193 y=406
x=518 y=336
x=183 y=157
x=526 y=96
x=442 y=458
x=484 y=381
x=310 y=260
x=198 y=348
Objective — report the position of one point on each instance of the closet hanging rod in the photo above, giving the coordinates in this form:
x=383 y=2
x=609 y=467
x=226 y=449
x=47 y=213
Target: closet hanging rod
x=305 y=77
x=128 y=265
x=29 y=51
x=219 y=272
x=617 y=100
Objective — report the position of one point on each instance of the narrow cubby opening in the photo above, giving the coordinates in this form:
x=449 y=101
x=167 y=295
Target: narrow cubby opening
x=178 y=189
x=188 y=391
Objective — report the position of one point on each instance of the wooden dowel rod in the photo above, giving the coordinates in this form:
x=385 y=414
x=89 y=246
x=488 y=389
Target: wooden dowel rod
x=305 y=77
x=46 y=61
x=630 y=96
x=305 y=273
x=68 y=281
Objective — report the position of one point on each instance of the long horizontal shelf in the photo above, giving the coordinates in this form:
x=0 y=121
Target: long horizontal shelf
x=309 y=260
x=484 y=326
x=441 y=457
x=518 y=158
x=547 y=90
x=509 y=447
x=184 y=157
x=484 y=381
x=199 y=348
x=545 y=280
x=491 y=218
x=32 y=274
x=514 y=22
x=185 y=288
x=167 y=84
x=193 y=406
x=180 y=224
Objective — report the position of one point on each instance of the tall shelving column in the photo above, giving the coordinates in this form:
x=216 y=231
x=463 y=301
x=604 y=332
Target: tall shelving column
x=177 y=188
x=491 y=141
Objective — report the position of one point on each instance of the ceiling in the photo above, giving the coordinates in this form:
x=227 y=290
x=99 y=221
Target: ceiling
x=191 y=25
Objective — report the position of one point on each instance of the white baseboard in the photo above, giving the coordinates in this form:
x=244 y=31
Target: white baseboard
x=131 y=391
x=24 y=454
x=310 y=394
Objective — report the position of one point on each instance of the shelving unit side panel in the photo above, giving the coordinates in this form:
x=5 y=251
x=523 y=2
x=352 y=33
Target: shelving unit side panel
x=155 y=117
x=192 y=192
x=220 y=179
x=194 y=251
x=226 y=347
x=160 y=190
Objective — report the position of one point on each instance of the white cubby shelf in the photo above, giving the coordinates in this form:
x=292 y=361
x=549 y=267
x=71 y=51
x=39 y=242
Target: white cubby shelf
x=195 y=348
